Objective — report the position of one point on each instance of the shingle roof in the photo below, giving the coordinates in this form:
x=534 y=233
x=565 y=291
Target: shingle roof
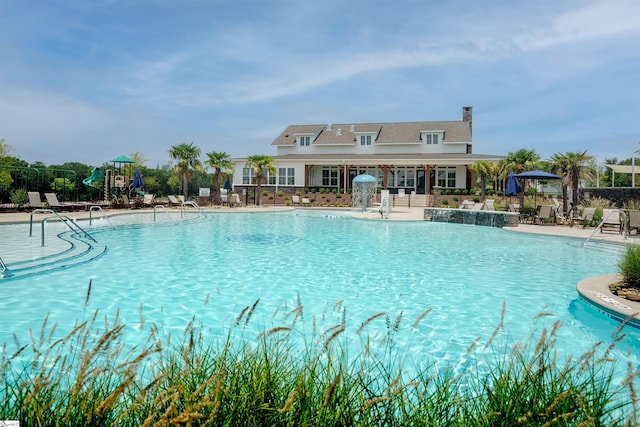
x=387 y=133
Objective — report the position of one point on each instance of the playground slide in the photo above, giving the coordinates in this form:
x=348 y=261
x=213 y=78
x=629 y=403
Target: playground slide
x=96 y=175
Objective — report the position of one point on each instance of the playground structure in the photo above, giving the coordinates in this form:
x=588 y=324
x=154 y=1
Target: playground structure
x=115 y=181
x=105 y=183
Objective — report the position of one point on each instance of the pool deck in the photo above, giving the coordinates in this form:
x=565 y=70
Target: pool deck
x=594 y=289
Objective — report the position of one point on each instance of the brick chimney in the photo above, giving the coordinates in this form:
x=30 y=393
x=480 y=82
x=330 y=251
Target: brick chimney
x=467 y=113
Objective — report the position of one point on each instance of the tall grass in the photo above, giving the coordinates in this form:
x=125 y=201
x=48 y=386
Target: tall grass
x=91 y=377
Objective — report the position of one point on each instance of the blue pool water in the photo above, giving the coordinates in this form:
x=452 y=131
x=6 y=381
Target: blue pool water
x=342 y=270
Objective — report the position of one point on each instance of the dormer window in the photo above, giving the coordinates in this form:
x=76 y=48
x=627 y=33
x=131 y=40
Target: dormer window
x=431 y=137
x=365 y=139
x=304 y=141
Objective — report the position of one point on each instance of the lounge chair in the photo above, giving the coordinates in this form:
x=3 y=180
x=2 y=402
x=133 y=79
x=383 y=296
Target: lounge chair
x=514 y=207
x=489 y=205
x=611 y=220
x=295 y=200
x=54 y=203
x=633 y=221
x=305 y=201
x=126 y=203
x=546 y=212
x=173 y=200
x=35 y=201
x=477 y=206
x=234 y=199
x=148 y=200
x=466 y=204
x=585 y=218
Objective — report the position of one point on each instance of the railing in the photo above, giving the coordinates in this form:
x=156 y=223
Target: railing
x=98 y=208
x=599 y=227
x=65 y=219
x=154 y=210
x=189 y=203
x=3 y=267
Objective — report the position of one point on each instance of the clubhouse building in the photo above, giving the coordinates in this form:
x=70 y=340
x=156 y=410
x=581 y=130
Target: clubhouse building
x=411 y=157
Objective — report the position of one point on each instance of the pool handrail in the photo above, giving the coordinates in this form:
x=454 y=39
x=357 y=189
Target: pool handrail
x=65 y=219
x=104 y=215
x=617 y=212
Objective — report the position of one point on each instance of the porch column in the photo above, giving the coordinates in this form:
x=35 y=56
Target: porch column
x=427 y=176
x=307 y=169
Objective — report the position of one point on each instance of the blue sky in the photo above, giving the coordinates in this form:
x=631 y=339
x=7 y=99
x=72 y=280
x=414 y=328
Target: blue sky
x=89 y=80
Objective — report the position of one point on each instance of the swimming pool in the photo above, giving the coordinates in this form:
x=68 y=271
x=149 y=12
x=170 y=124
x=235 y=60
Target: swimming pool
x=342 y=270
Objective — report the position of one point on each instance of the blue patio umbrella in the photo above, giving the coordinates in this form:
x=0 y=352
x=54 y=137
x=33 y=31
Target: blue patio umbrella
x=536 y=175
x=513 y=187
x=137 y=179
x=227 y=185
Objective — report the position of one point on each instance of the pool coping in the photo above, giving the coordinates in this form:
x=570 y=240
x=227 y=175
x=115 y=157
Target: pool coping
x=595 y=291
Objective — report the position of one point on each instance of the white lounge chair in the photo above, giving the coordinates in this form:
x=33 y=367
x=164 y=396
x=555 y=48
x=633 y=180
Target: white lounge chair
x=489 y=205
x=173 y=200
x=295 y=199
x=148 y=200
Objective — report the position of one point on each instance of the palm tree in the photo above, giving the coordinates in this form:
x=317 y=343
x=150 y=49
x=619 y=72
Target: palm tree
x=576 y=170
x=520 y=161
x=559 y=165
x=187 y=159
x=261 y=164
x=219 y=161
x=484 y=169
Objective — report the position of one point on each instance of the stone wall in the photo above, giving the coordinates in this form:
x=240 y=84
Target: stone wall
x=617 y=195
x=472 y=217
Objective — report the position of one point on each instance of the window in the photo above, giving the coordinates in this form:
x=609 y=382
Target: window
x=447 y=177
x=431 y=138
x=330 y=177
x=247 y=176
x=365 y=139
x=286 y=176
x=305 y=141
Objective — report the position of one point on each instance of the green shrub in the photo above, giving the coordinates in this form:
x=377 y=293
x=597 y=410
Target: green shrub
x=630 y=266
x=19 y=196
x=265 y=193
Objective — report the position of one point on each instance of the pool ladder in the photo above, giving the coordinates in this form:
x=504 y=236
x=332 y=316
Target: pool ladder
x=73 y=226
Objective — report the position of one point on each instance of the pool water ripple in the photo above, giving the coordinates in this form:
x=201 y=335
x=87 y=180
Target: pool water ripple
x=339 y=269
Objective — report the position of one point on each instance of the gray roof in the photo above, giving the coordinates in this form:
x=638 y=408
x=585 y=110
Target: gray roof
x=387 y=133
x=413 y=159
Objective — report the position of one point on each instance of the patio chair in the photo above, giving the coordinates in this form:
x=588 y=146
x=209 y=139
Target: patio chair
x=585 y=218
x=173 y=200
x=514 y=207
x=611 y=220
x=489 y=205
x=54 y=203
x=35 y=201
x=126 y=203
x=466 y=204
x=477 y=206
x=305 y=201
x=546 y=212
x=234 y=199
x=633 y=221
x=295 y=200
x=148 y=200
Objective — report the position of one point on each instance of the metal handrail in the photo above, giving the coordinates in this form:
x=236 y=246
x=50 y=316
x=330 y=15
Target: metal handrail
x=189 y=203
x=154 y=210
x=104 y=215
x=65 y=219
x=617 y=212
